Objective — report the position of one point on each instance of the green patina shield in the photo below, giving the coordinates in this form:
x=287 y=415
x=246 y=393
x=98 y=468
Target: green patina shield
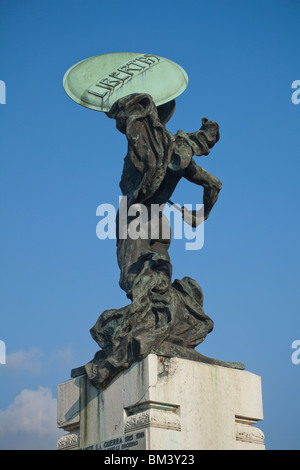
x=98 y=82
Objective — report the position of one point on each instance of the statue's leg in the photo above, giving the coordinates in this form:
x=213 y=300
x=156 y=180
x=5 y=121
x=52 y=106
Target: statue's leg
x=143 y=236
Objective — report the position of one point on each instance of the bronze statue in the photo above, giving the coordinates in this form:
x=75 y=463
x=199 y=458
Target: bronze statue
x=164 y=317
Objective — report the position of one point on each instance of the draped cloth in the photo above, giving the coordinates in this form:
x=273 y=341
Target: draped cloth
x=149 y=146
x=152 y=150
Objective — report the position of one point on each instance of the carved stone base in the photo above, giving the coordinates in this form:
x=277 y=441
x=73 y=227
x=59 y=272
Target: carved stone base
x=163 y=403
x=69 y=442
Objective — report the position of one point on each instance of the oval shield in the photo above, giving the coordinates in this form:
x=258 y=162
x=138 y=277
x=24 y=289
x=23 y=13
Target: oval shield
x=98 y=82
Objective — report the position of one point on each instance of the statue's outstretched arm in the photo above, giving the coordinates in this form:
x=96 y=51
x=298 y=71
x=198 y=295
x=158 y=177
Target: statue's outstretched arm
x=212 y=185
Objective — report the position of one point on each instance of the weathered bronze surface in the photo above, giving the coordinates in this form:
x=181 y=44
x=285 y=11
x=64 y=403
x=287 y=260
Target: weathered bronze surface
x=164 y=317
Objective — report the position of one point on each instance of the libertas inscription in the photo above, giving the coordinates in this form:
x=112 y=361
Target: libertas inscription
x=107 y=85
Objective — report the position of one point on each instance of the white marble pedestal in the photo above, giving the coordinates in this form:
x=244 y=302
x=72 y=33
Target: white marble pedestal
x=163 y=404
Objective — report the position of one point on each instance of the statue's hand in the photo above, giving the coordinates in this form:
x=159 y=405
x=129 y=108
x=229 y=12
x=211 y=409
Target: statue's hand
x=193 y=218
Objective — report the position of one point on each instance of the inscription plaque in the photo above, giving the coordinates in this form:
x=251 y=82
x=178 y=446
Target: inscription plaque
x=136 y=441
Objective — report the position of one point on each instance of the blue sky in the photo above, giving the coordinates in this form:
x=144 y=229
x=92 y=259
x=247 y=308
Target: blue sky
x=59 y=161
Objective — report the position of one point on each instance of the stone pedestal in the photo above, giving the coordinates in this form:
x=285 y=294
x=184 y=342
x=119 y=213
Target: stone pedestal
x=163 y=404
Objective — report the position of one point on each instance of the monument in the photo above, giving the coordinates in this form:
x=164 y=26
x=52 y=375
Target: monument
x=147 y=387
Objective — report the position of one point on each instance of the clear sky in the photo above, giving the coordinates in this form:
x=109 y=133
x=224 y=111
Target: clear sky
x=59 y=161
